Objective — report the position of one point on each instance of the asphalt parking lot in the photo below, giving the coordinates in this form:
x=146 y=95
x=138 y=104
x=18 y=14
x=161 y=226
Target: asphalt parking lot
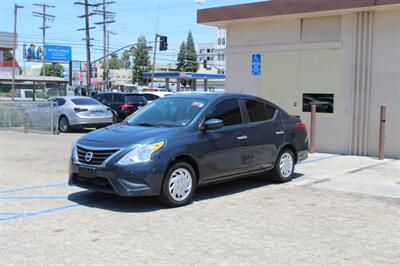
x=338 y=210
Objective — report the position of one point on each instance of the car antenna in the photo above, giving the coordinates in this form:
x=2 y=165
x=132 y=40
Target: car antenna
x=241 y=90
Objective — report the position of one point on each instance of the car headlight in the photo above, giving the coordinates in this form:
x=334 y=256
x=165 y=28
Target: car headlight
x=141 y=153
x=74 y=153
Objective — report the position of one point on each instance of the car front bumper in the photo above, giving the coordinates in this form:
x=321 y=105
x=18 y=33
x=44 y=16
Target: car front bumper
x=143 y=179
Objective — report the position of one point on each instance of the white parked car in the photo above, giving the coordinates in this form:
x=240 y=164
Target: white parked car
x=80 y=112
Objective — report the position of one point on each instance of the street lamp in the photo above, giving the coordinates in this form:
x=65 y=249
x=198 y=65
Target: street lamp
x=14 y=48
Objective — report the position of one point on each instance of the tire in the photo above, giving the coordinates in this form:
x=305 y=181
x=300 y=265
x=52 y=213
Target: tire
x=115 y=118
x=63 y=124
x=179 y=185
x=284 y=167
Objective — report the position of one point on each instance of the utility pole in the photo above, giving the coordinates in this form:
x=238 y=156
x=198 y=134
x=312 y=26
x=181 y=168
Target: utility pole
x=14 y=48
x=44 y=17
x=88 y=39
x=155 y=48
x=107 y=19
x=107 y=55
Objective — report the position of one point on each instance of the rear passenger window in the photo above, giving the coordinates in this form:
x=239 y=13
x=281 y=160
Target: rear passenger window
x=259 y=111
x=227 y=111
x=119 y=98
x=60 y=102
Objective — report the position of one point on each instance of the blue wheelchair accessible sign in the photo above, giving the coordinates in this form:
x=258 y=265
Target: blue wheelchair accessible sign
x=256 y=64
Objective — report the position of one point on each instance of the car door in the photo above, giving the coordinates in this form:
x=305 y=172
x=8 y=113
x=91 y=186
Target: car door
x=265 y=132
x=225 y=150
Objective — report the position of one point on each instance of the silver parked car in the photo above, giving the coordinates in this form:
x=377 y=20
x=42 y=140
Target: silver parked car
x=80 y=111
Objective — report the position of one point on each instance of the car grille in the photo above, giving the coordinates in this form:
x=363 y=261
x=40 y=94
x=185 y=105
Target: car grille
x=97 y=156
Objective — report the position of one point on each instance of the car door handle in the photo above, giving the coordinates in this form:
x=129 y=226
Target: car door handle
x=280 y=132
x=243 y=137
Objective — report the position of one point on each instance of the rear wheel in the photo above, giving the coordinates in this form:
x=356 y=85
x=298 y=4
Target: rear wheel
x=284 y=166
x=63 y=124
x=115 y=118
x=179 y=185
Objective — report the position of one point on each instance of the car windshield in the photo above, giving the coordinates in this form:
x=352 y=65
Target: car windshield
x=167 y=113
x=84 y=101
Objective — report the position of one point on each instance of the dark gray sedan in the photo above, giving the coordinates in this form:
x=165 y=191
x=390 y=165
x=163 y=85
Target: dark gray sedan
x=178 y=143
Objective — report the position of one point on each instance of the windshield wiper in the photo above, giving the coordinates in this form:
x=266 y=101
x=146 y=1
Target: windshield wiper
x=143 y=125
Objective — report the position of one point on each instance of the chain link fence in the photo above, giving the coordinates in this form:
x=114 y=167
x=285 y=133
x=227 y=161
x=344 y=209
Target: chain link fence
x=40 y=117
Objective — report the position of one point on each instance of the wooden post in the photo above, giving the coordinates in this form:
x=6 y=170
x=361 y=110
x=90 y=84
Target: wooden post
x=382 y=123
x=312 y=128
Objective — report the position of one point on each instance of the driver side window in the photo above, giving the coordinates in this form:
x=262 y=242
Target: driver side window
x=227 y=111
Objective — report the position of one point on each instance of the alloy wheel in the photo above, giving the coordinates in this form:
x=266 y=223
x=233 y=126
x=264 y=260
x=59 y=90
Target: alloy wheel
x=63 y=124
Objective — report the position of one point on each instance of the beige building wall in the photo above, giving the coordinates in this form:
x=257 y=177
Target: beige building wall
x=318 y=54
x=385 y=81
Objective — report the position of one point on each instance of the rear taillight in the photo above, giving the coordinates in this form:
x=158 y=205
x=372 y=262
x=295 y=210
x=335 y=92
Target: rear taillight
x=302 y=125
x=78 y=110
x=126 y=106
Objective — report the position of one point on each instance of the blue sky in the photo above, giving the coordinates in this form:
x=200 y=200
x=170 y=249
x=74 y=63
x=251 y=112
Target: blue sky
x=134 y=17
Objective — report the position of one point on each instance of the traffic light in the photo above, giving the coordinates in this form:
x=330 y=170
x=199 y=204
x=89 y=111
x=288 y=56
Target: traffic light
x=205 y=63
x=163 y=43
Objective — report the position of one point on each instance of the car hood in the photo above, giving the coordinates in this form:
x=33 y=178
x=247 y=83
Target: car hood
x=120 y=135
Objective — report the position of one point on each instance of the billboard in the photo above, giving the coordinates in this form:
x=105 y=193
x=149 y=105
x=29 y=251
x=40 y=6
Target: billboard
x=51 y=53
x=33 y=52
x=57 y=53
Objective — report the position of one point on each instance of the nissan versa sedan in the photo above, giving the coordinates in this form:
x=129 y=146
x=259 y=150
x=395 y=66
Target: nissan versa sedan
x=178 y=143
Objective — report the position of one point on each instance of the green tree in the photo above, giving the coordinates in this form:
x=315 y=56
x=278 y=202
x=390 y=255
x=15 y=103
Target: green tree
x=114 y=62
x=126 y=59
x=7 y=56
x=191 y=56
x=141 y=61
x=181 y=60
x=53 y=70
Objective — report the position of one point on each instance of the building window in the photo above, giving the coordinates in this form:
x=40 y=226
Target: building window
x=219 y=41
x=323 y=101
x=208 y=50
x=223 y=41
x=222 y=57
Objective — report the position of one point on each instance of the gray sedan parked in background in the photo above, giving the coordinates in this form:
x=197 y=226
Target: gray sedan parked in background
x=79 y=112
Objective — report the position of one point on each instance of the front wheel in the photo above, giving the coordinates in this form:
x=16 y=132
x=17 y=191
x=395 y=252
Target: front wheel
x=284 y=167
x=179 y=185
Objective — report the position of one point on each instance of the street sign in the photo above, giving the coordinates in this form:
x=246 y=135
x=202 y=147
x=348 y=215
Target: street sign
x=256 y=64
x=57 y=53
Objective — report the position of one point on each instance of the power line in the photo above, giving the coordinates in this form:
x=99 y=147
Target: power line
x=45 y=17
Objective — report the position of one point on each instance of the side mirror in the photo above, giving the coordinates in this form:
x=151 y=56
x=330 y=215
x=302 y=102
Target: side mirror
x=213 y=124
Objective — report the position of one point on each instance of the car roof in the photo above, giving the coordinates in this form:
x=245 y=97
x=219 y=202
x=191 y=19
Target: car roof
x=71 y=97
x=119 y=92
x=209 y=95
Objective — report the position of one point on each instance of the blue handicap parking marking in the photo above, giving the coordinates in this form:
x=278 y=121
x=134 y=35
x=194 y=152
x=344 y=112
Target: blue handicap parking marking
x=32 y=190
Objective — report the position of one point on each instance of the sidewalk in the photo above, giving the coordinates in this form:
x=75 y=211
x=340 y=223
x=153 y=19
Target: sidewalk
x=357 y=174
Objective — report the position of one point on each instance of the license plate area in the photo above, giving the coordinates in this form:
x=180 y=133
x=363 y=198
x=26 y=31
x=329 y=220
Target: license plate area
x=87 y=172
